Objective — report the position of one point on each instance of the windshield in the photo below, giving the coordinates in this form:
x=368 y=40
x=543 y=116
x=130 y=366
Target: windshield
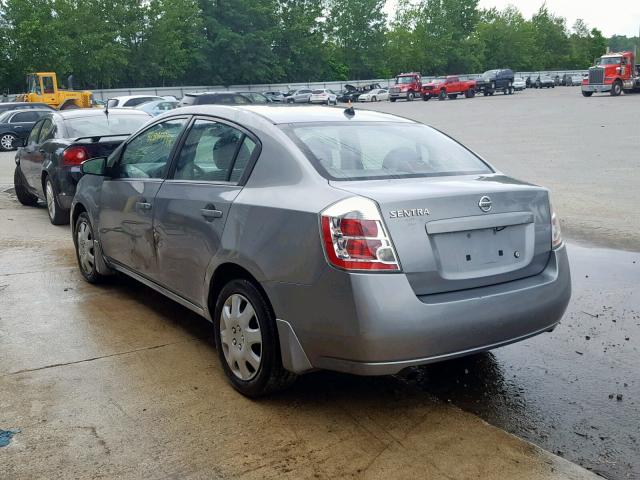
x=405 y=80
x=609 y=61
x=369 y=151
x=489 y=75
x=98 y=125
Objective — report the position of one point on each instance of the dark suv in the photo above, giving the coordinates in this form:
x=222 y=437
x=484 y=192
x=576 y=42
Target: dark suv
x=496 y=80
x=215 y=98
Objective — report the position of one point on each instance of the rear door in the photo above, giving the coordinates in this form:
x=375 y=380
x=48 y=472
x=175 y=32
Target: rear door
x=127 y=197
x=192 y=206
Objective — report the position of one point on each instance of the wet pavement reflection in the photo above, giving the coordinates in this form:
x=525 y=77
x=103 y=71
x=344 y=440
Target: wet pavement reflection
x=575 y=391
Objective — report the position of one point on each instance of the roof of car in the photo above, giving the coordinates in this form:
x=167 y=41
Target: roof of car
x=214 y=92
x=94 y=112
x=278 y=114
x=124 y=98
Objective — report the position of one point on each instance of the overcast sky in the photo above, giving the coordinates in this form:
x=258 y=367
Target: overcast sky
x=616 y=17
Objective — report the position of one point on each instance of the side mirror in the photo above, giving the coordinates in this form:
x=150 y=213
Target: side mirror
x=94 y=166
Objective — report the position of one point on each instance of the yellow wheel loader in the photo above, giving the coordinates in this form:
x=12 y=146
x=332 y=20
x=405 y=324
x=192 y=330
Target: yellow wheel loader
x=42 y=87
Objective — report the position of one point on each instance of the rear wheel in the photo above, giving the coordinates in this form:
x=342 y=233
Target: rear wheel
x=25 y=197
x=247 y=340
x=7 y=142
x=587 y=94
x=392 y=99
x=426 y=97
x=57 y=214
x=616 y=88
x=410 y=96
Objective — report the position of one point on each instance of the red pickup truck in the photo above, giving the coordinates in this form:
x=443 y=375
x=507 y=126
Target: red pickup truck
x=450 y=86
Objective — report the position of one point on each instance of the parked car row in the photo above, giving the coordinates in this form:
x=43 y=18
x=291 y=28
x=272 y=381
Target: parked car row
x=272 y=223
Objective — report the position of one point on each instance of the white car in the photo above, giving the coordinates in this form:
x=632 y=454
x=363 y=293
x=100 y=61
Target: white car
x=375 y=95
x=323 y=96
x=130 y=101
x=519 y=83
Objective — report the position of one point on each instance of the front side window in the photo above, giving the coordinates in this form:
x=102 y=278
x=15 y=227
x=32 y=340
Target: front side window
x=47 y=84
x=369 y=151
x=148 y=154
x=210 y=153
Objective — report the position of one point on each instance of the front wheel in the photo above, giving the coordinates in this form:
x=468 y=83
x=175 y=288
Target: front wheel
x=247 y=341
x=410 y=97
x=57 y=214
x=587 y=94
x=7 y=142
x=616 y=88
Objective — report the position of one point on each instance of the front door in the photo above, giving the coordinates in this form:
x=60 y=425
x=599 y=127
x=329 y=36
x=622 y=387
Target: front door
x=192 y=206
x=127 y=196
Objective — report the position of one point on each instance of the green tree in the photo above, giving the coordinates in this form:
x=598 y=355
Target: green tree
x=357 y=29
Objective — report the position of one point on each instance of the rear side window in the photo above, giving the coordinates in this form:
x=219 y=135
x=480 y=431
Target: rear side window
x=25 y=117
x=48 y=131
x=214 y=152
x=351 y=151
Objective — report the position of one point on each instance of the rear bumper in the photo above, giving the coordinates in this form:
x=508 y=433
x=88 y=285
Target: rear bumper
x=596 y=88
x=374 y=324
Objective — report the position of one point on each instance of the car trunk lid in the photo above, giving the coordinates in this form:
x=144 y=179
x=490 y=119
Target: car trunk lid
x=460 y=232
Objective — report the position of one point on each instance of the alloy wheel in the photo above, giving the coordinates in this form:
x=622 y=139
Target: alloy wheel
x=51 y=201
x=86 y=248
x=6 y=141
x=241 y=337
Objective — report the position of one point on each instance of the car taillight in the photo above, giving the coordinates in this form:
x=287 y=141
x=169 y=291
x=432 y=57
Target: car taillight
x=74 y=156
x=355 y=238
x=556 y=233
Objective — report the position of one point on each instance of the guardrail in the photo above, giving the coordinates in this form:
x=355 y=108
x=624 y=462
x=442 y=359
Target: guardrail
x=179 y=92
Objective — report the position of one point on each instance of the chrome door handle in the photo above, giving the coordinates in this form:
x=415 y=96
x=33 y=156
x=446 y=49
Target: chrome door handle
x=211 y=213
x=143 y=205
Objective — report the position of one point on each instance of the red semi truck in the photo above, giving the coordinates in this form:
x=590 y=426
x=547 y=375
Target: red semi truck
x=450 y=86
x=613 y=73
x=407 y=86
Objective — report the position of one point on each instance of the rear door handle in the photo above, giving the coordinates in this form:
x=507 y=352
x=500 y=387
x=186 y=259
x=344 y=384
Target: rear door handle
x=210 y=212
x=143 y=205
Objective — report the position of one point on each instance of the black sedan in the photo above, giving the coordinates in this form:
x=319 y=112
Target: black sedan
x=4 y=107
x=16 y=125
x=48 y=165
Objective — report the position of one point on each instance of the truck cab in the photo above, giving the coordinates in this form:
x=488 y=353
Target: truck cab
x=613 y=73
x=407 y=86
x=42 y=87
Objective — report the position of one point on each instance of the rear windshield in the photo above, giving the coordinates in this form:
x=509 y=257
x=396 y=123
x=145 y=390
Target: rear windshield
x=104 y=125
x=365 y=151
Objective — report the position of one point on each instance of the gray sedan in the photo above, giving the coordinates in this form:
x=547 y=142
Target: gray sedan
x=319 y=238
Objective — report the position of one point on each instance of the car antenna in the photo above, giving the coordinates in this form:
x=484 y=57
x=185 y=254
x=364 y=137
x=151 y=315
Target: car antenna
x=349 y=111
x=106 y=108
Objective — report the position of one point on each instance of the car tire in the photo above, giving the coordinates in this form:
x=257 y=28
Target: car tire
x=616 y=88
x=7 y=142
x=25 y=197
x=253 y=369
x=426 y=97
x=86 y=252
x=57 y=214
x=587 y=94
x=410 y=97
x=392 y=99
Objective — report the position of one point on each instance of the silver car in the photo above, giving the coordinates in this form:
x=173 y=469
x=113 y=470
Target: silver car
x=322 y=238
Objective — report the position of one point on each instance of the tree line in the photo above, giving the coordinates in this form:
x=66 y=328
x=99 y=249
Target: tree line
x=127 y=43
